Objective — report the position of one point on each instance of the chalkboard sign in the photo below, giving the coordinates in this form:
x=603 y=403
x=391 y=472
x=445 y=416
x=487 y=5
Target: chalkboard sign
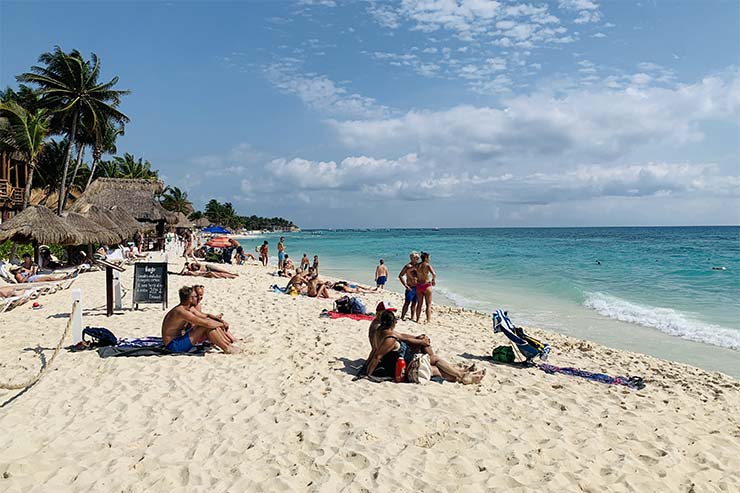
x=150 y=283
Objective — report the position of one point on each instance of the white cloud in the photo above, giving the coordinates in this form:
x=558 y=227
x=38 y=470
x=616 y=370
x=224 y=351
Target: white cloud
x=587 y=10
x=321 y=93
x=601 y=124
x=384 y=15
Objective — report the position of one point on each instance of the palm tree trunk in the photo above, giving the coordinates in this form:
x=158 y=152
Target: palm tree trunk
x=80 y=153
x=92 y=173
x=62 y=186
x=29 y=186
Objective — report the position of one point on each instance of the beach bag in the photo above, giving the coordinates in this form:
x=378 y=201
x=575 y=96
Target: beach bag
x=343 y=305
x=357 y=306
x=99 y=336
x=420 y=369
x=503 y=354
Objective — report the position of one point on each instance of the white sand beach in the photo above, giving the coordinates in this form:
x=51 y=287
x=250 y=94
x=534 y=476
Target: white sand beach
x=286 y=415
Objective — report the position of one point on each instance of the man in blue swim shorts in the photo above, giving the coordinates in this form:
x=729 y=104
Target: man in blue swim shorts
x=381 y=275
x=182 y=329
x=407 y=276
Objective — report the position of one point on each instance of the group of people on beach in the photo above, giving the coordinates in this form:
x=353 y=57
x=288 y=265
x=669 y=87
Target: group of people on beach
x=418 y=278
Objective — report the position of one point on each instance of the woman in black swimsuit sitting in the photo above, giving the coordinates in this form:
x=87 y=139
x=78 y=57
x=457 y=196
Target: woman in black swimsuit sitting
x=388 y=345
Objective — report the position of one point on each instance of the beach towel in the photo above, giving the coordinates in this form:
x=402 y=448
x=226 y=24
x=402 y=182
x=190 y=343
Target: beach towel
x=353 y=316
x=113 y=351
x=633 y=382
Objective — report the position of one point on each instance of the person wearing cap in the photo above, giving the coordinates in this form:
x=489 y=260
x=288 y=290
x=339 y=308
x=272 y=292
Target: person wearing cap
x=381 y=275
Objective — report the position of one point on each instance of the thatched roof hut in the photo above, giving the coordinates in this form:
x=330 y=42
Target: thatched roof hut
x=88 y=231
x=202 y=222
x=183 y=221
x=104 y=218
x=124 y=219
x=134 y=195
x=38 y=224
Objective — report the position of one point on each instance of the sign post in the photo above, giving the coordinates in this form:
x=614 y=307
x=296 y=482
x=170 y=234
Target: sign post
x=150 y=283
x=77 y=316
x=117 y=290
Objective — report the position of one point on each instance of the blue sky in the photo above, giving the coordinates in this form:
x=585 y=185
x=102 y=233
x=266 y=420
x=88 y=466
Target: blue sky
x=428 y=113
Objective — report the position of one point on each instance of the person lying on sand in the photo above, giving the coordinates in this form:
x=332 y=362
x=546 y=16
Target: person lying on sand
x=206 y=270
x=346 y=287
x=198 y=311
x=387 y=346
x=315 y=287
x=182 y=329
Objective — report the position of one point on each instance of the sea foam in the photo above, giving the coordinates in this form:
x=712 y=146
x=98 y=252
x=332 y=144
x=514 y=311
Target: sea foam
x=666 y=320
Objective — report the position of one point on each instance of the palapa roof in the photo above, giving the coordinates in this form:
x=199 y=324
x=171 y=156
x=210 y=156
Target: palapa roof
x=134 y=195
x=119 y=221
x=202 y=222
x=88 y=231
x=182 y=220
x=40 y=224
x=120 y=216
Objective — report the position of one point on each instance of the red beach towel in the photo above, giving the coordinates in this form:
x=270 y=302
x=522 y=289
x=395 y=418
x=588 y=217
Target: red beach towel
x=353 y=316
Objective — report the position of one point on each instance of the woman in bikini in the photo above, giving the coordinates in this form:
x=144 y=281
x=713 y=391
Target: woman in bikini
x=387 y=346
x=424 y=286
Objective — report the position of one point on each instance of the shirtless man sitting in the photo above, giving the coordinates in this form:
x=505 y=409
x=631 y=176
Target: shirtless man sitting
x=198 y=311
x=315 y=287
x=297 y=281
x=182 y=329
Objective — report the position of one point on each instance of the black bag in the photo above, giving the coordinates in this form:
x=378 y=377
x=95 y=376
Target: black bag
x=99 y=336
x=343 y=305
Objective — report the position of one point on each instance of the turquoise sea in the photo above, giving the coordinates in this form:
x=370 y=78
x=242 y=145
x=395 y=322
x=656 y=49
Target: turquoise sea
x=656 y=290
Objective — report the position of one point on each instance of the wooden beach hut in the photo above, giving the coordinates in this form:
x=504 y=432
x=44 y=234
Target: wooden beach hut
x=136 y=196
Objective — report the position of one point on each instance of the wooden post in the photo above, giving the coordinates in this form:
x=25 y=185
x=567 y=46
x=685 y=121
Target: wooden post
x=77 y=317
x=108 y=291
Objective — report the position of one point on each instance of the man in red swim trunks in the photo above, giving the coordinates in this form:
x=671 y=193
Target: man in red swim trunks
x=424 y=286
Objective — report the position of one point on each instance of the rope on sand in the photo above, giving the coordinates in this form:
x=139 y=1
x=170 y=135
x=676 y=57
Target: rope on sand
x=44 y=369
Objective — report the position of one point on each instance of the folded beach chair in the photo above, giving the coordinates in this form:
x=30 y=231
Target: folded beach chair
x=526 y=346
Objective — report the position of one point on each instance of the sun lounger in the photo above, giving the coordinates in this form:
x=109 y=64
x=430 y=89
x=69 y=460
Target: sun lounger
x=14 y=301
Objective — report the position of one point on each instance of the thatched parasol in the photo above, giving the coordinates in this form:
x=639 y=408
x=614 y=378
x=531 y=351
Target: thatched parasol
x=135 y=195
x=88 y=232
x=183 y=221
x=127 y=221
x=105 y=219
x=37 y=224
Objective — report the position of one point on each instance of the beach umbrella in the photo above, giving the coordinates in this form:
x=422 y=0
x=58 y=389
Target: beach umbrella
x=105 y=219
x=129 y=222
x=37 y=224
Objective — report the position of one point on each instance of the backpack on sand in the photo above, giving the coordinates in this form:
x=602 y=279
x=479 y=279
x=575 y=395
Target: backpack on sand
x=343 y=305
x=357 y=306
x=99 y=336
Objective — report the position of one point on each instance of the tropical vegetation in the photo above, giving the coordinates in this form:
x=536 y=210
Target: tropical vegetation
x=63 y=109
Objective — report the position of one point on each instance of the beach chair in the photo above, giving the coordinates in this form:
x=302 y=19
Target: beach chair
x=525 y=346
x=8 y=304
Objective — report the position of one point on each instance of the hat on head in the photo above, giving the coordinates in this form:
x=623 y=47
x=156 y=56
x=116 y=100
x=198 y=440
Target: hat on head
x=384 y=306
x=14 y=268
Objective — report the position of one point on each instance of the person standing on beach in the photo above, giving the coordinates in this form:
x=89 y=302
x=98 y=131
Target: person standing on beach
x=424 y=286
x=188 y=238
x=182 y=329
x=264 y=250
x=408 y=279
x=316 y=264
x=281 y=253
x=381 y=275
x=304 y=262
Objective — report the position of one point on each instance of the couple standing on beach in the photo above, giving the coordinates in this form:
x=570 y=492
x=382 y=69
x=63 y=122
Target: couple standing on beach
x=418 y=277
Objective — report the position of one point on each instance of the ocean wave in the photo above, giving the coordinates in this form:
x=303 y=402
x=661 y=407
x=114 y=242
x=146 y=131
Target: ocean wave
x=458 y=299
x=666 y=320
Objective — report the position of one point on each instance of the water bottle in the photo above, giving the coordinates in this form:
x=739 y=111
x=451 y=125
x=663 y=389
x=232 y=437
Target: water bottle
x=400 y=369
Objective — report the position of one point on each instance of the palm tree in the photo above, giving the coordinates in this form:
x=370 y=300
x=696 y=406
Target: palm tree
x=105 y=143
x=69 y=86
x=176 y=200
x=25 y=132
x=129 y=167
